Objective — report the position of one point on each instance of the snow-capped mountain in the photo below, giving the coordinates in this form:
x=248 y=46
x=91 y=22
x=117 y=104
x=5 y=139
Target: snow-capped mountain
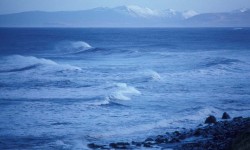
x=137 y=11
x=125 y=16
x=145 y=12
x=189 y=13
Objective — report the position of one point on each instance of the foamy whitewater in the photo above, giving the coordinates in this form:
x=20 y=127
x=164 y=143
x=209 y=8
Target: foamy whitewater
x=65 y=88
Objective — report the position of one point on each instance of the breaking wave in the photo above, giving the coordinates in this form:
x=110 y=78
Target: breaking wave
x=73 y=47
x=153 y=75
x=19 y=63
x=123 y=92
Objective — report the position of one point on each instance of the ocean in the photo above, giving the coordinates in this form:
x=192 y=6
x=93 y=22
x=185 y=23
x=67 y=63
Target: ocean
x=62 y=88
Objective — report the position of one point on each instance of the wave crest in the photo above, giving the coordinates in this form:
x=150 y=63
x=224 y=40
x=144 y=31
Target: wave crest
x=17 y=63
x=73 y=47
x=123 y=91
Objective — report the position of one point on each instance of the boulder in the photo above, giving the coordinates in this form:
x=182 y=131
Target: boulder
x=225 y=116
x=119 y=145
x=136 y=143
x=149 y=139
x=147 y=145
x=211 y=119
x=159 y=140
x=94 y=146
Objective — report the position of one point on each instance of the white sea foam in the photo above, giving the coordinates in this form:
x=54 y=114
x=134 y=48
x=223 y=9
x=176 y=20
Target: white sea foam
x=81 y=45
x=62 y=145
x=18 y=62
x=123 y=91
x=153 y=75
x=106 y=101
x=72 y=47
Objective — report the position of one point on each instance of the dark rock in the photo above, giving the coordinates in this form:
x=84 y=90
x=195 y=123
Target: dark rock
x=177 y=133
x=94 y=146
x=174 y=140
x=197 y=132
x=200 y=125
x=113 y=145
x=210 y=119
x=159 y=140
x=149 y=139
x=136 y=143
x=220 y=135
x=122 y=143
x=119 y=145
x=242 y=140
x=182 y=136
x=147 y=145
x=237 y=118
x=225 y=116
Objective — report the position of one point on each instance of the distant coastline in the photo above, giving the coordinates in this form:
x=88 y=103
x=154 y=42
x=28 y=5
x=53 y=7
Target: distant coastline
x=126 y=16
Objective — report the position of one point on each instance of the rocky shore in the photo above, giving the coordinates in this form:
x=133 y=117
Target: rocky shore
x=229 y=134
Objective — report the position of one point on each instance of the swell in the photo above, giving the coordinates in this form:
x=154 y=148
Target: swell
x=19 y=63
x=223 y=65
x=210 y=62
x=21 y=69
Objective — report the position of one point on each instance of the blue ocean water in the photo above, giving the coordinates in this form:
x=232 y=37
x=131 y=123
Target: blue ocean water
x=63 y=88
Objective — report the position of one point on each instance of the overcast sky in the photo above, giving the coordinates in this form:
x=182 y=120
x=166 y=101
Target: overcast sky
x=11 y=6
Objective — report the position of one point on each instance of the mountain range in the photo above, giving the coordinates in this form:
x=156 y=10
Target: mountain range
x=126 y=16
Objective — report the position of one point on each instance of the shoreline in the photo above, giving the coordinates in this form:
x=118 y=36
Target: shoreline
x=228 y=134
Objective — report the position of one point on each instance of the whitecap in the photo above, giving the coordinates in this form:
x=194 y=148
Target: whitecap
x=106 y=101
x=153 y=75
x=123 y=91
x=72 y=47
x=16 y=63
x=80 y=45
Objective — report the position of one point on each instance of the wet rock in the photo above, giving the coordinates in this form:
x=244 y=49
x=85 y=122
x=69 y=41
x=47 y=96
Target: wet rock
x=182 y=136
x=94 y=146
x=149 y=139
x=119 y=145
x=219 y=135
x=122 y=143
x=159 y=140
x=147 y=145
x=174 y=140
x=225 y=116
x=197 y=132
x=237 y=118
x=136 y=143
x=177 y=133
x=211 y=119
x=242 y=140
x=200 y=125
x=113 y=145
